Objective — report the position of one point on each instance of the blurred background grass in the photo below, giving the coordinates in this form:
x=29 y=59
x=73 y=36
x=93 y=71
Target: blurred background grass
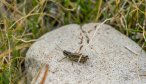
x=23 y=21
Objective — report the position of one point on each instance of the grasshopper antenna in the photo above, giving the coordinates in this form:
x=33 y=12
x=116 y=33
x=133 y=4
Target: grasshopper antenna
x=58 y=48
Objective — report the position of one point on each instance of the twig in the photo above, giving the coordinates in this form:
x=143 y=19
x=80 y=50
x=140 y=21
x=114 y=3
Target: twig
x=131 y=50
x=25 y=40
x=96 y=31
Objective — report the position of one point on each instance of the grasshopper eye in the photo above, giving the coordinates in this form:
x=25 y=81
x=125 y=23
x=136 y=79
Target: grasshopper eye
x=87 y=57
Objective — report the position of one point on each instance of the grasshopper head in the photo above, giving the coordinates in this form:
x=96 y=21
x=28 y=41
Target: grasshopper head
x=66 y=53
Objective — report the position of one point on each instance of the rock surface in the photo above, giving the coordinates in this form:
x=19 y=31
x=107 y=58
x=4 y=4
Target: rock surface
x=113 y=57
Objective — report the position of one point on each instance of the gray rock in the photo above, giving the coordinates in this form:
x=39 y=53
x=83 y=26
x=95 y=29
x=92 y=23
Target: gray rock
x=113 y=57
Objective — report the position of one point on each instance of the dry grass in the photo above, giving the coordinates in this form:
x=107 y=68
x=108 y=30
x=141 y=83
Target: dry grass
x=23 y=21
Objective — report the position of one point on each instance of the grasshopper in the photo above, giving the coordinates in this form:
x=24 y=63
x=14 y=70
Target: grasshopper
x=76 y=57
